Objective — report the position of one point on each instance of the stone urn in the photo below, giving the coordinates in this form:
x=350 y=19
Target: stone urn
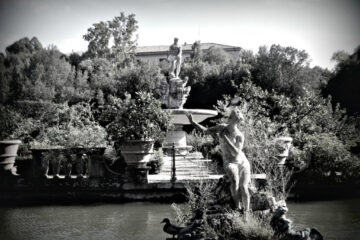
x=282 y=146
x=8 y=154
x=137 y=153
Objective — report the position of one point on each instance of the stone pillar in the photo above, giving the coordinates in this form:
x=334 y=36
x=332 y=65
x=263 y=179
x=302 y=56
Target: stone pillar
x=96 y=163
x=177 y=136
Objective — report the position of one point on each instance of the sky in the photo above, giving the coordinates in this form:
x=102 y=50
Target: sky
x=320 y=27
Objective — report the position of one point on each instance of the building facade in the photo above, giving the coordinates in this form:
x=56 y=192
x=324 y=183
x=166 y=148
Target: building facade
x=159 y=53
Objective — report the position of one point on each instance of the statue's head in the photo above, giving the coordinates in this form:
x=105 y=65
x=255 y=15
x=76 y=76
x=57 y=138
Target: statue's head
x=236 y=116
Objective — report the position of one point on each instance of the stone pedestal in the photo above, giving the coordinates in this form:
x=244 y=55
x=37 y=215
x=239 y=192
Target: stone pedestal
x=137 y=175
x=178 y=136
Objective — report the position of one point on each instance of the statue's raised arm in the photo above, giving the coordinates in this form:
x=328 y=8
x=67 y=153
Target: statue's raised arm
x=211 y=130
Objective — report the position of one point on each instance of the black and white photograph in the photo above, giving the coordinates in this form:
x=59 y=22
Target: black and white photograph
x=179 y=119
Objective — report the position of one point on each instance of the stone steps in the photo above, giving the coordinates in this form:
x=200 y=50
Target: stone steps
x=191 y=167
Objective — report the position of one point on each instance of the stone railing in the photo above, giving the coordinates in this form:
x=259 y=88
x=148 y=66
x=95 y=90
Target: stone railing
x=66 y=163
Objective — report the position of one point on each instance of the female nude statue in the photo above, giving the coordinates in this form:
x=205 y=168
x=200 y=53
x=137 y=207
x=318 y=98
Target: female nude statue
x=235 y=163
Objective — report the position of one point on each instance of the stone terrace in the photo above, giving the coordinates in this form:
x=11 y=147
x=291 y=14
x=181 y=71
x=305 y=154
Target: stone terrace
x=188 y=168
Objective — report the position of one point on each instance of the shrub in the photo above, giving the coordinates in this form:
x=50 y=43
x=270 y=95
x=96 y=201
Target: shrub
x=36 y=109
x=216 y=55
x=145 y=77
x=9 y=120
x=137 y=118
x=73 y=127
x=156 y=162
x=228 y=226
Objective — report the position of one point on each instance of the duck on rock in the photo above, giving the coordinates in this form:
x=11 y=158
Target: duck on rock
x=170 y=228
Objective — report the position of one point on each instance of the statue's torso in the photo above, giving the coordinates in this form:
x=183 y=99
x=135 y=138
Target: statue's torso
x=174 y=50
x=227 y=153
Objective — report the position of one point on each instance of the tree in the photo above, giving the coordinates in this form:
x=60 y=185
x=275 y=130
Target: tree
x=98 y=37
x=216 y=55
x=145 y=77
x=285 y=69
x=323 y=136
x=75 y=59
x=122 y=31
x=344 y=85
x=247 y=57
x=211 y=82
x=4 y=82
x=24 y=46
x=196 y=54
x=30 y=72
x=101 y=74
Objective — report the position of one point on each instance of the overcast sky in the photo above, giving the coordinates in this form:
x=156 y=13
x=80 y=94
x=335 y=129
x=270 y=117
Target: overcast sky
x=320 y=27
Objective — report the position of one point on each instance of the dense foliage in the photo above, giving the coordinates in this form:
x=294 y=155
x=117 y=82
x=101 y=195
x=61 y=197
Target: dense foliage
x=55 y=125
x=114 y=40
x=281 y=95
x=72 y=126
x=344 y=84
x=138 y=117
x=276 y=88
x=228 y=226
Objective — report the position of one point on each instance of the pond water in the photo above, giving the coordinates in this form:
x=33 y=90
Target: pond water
x=141 y=220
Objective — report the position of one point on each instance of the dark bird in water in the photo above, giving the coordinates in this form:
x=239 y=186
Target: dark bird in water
x=190 y=228
x=170 y=228
x=315 y=234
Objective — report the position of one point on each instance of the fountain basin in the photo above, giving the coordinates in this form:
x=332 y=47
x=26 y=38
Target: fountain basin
x=179 y=115
x=178 y=136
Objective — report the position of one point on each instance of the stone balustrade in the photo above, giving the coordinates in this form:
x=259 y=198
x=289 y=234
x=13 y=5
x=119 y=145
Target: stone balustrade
x=66 y=163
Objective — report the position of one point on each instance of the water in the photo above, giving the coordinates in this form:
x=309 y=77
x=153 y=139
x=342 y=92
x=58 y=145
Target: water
x=141 y=220
x=336 y=220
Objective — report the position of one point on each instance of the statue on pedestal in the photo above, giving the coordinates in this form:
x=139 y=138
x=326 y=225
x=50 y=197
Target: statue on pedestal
x=235 y=163
x=175 y=52
x=174 y=91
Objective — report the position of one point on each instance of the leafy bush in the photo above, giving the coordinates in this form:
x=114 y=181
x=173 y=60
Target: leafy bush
x=137 y=118
x=204 y=78
x=323 y=135
x=198 y=140
x=30 y=72
x=286 y=69
x=35 y=109
x=344 y=84
x=9 y=120
x=206 y=144
x=229 y=226
x=216 y=55
x=327 y=154
x=145 y=77
x=156 y=162
x=73 y=127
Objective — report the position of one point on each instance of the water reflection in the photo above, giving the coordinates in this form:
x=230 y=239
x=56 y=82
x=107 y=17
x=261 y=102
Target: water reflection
x=335 y=219
x=130 y=221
